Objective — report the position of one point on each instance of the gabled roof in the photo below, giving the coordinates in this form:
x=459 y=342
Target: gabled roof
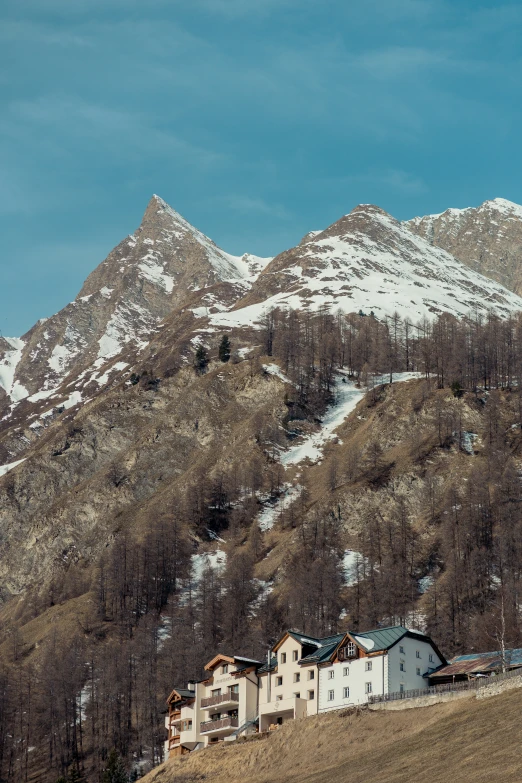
x=180 y=694
x=302 y=638
x=217 y=659
x=238 y=660
x=385 y=638
x=380 y=638
x=322 y=649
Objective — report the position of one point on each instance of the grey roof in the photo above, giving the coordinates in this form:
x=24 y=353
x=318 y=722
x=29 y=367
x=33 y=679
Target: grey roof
x=265 y=668
x=383 y=638
x=185 y=693
x=328 y=646
x=305 y=639
x=378 y=640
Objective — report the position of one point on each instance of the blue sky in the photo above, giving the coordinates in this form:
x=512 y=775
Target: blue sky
x=258 y=120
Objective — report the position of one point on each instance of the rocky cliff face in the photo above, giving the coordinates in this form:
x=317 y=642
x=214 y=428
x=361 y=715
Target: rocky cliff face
x=488 y=239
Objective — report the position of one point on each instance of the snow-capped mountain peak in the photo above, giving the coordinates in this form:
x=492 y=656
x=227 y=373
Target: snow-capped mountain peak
x=151 y=273
x=368 y=261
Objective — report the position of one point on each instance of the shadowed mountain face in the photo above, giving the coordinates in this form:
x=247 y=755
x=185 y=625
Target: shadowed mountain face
x=488 y=239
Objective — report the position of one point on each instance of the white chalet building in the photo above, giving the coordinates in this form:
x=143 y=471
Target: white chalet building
x=303 y=676
x=387 y=660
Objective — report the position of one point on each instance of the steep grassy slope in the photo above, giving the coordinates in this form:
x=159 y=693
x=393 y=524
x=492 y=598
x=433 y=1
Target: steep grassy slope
x=468 y=741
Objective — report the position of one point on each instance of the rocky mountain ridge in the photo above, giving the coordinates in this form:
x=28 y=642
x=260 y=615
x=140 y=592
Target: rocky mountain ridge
x=369 y=261
x=488 y=238
x=366 y=261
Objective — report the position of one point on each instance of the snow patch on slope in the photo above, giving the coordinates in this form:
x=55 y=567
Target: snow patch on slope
x=274 y=508
x=13 y=388
x=200 y=563
x=153 y=271
x=347 y=396
x=6 y=468
x=121 y=329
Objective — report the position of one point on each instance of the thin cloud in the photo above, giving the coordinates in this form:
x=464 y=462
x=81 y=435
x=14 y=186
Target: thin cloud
x=30 y=32
x=248 y=205
x=120 y=131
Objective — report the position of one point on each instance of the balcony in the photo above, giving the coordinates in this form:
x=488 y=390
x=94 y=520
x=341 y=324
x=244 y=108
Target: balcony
x=224 y=699
x=218 y=726
x=173 y=741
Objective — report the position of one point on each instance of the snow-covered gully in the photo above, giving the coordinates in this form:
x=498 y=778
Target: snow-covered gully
x=347 y=396
x=310 y=447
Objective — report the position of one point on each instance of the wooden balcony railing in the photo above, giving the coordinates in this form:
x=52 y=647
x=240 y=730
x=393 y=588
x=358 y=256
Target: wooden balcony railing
x=222 y=723
x=211 y=701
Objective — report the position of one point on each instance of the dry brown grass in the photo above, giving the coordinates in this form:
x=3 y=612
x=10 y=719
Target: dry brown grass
x=466 y=741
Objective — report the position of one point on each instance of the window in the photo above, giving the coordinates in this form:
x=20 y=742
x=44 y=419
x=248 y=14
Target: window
x=368 y=687
x=234 y=689
x=297 y=677
x=401 y=650
x=279 y=680
x=330 y=695
x=279 y=698
x=331 y=674
x=346 y=671
x=417 y=654
x=283 y=657
x=297 y=695
x=418 y=672
x=295 y=655
x=368 y=666
x=311 y=695
x=431 y=658
x=401 y=688
x=402 y=667
x=346 y=693
x=350 y=649
x=311 y=674
x=216 y=692
x=225 y=668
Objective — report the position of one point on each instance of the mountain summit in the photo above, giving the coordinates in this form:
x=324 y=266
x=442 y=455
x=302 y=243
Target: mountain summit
x=147 y=276
x=369 y=261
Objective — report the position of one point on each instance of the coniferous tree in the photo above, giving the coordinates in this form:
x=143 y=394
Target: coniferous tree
x=75 y=776
x=114 y=770
x=224 y=349
x=201 y=359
